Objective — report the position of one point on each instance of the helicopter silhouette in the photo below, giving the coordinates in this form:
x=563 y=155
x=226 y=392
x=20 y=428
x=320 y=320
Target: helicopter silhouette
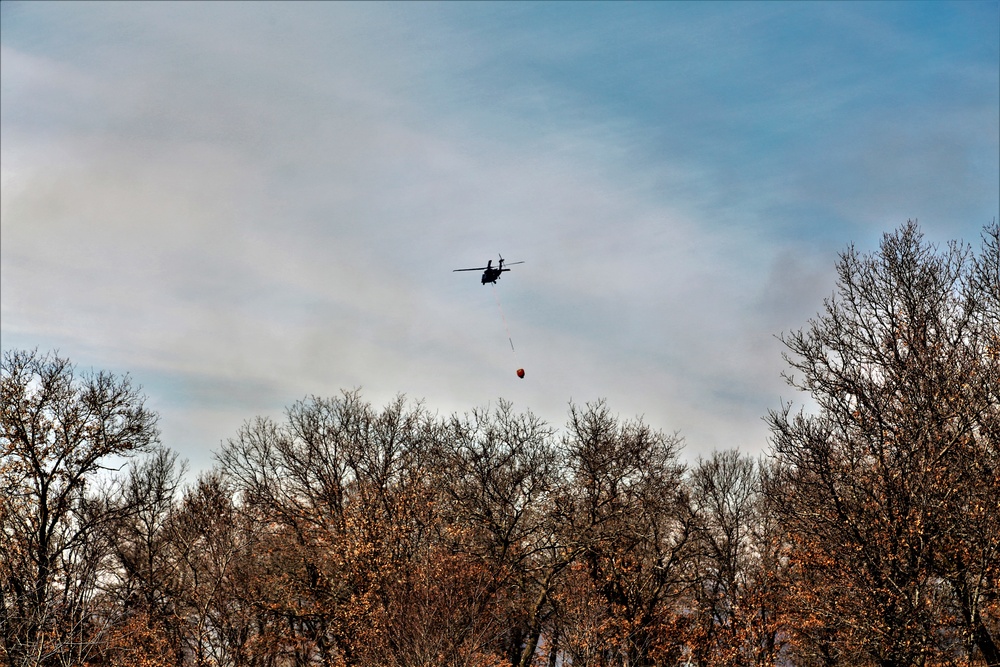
x=490 y=274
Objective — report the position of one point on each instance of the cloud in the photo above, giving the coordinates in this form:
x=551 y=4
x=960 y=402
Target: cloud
x=246 y=207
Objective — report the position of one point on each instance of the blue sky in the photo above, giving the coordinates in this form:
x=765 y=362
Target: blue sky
x=244 y=204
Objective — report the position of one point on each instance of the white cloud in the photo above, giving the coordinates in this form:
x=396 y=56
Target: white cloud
x=251 y=206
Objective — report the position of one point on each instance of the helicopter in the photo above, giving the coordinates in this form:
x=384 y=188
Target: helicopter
x=490 y=274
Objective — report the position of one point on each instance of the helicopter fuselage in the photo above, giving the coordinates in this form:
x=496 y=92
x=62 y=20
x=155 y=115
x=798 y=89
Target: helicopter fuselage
x=491 y=275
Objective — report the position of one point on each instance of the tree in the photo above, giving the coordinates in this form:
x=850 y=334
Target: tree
x=888 y=488
x=631 y=530
x=58 y=431
x=497 y=476
x=341 y=504
x=143 y=586
x=968 y=554
x=734 y=563
x=218 y=589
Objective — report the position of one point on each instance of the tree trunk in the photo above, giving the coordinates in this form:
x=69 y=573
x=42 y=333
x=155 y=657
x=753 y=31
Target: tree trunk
x=984 y=641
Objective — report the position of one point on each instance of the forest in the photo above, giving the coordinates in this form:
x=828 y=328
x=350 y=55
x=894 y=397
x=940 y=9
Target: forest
x=346 y=534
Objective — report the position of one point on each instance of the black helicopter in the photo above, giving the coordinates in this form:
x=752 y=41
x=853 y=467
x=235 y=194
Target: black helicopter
x=490 y=274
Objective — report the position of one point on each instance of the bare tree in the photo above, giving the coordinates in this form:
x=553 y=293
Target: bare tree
x=734 y=563
x=58 y=431
x=967 y=557
x=631 y=526
x=341 y=496
x=881 y=487
x=497 y=473
x=142 y=587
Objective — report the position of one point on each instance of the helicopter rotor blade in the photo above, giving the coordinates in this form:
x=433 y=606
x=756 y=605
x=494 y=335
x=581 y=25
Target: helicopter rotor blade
x=480 y=268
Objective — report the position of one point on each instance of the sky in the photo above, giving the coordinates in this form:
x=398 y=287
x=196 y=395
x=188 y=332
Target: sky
x=245 y=204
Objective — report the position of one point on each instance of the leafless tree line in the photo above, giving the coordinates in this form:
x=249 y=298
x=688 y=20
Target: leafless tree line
x=346 y=534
